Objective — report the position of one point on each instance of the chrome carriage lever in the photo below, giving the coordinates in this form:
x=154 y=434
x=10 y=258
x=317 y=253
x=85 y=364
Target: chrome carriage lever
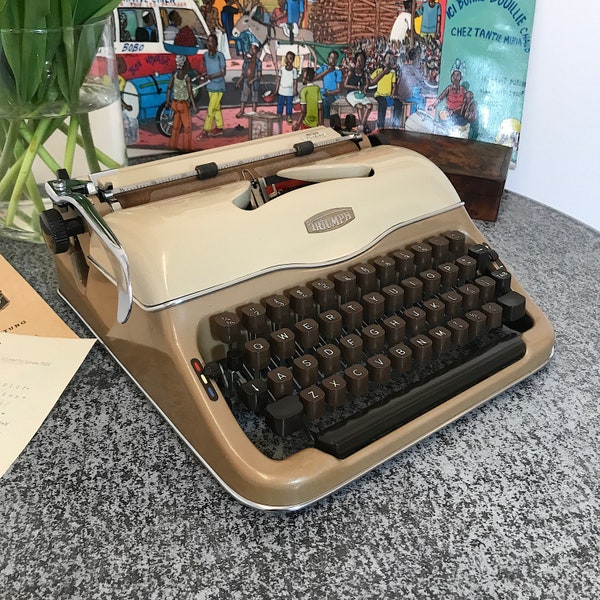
x=67 y=192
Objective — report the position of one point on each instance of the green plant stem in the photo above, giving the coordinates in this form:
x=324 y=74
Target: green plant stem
x=88 y=143
x=106 y=160
x=17 y=150
x=24 y=172
x=11 y=175
x=33 y=193
x=48 y=159
x=71 y=143
x=9 y=143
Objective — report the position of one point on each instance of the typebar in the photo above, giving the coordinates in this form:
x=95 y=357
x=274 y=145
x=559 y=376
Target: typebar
x=354 y=433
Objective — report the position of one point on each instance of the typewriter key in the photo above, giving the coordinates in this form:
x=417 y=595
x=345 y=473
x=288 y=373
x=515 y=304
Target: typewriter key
x=440 y=246
x=394 y=298
x=351 y=347
x=487 y=288
x=434 y=311
x=345 y=285
x=278 y=310
x=330 y=324
x=457 y=242
x=284 y=416
x=374 y=306
x=441 y=339
x=422 y=348
x=357 y=379
x=301 y=301
x=335 y=390
x=413 y=290
x=493 y=313
x=502 y=279
x=470 y=296
x=405 y=263
x=307 y=333
x=280 y=382
x=226 y=327
x=313 y=401
x=400 y=356
x=254 y=318
x=352 y=315
x=422 y=252
x=385 y=269
x=283 y=343
x=365 y=277
x=257 y=353
x=449 y=274
x=380 y=368
x=254 y=395
x=373 y=337
x=459 y=329
x=467 y=267
x=513 y=306
x=477 y=323
x=306 y=370
x=329 y=357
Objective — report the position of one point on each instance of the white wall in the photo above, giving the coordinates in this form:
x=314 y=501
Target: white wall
x=559 y=155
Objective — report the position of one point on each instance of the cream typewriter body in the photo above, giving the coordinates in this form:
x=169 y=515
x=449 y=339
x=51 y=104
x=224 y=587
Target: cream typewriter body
x=299 y=308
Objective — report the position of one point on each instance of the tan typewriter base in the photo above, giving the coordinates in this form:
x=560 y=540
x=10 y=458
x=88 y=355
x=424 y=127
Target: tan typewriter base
x=155 y=349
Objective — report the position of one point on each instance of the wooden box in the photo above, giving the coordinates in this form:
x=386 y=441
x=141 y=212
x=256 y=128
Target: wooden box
x=264 y=124
x=477 y=170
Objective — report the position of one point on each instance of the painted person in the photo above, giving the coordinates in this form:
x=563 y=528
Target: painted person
x=431 y=23
x=286 y=85
x=279 y=14
x=311 y=102
x=180 y=98
x=356 y=83
x=214 y=63
x=295 y=13
x=331 y=76
x=454 y=93
x=173 y=27
x=250 y=80
x=385 y=79
x=211 y=16
x=228 y=12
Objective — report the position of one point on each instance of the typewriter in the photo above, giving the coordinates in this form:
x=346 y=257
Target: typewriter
x=299 y=308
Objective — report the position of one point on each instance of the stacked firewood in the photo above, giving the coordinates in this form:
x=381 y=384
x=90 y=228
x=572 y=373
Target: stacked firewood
x=343 y=21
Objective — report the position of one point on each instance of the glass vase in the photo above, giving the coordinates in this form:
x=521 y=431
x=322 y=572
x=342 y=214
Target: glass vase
x=60 y=108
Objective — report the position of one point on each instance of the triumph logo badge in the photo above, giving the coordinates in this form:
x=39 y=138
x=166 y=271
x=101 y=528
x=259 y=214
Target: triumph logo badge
x=329 y=220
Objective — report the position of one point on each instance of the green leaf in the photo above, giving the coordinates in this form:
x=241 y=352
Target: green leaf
x=66 y=10
x=25 y=53
x=93 y=10
x=36 y=65
x=74 y=57
x=24 y=44
x=35 y=13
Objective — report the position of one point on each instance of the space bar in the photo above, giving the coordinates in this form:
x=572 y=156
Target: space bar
x=357 y=431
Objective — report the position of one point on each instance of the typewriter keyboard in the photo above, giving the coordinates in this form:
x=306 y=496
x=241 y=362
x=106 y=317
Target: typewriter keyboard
x=342 y=360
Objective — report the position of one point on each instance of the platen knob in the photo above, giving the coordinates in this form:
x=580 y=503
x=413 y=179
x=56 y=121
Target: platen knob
x=57 y=231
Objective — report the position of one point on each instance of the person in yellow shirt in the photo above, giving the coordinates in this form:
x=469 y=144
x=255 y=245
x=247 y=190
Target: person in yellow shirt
x=385 y=79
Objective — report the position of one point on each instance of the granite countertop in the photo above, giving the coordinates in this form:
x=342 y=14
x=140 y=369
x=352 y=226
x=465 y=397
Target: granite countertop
x=107 y=502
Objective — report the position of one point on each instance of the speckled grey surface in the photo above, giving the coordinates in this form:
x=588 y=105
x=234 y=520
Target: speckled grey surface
x=107 y=502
